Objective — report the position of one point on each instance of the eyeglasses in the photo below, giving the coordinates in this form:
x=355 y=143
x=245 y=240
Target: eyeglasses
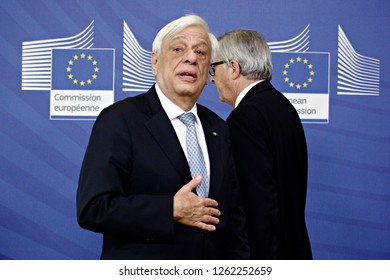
x=212 y=67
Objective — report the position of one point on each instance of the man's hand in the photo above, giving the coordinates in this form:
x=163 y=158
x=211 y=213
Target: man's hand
x=192 y=210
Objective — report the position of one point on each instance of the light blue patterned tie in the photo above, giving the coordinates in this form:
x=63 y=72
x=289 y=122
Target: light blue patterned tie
x=195 y=156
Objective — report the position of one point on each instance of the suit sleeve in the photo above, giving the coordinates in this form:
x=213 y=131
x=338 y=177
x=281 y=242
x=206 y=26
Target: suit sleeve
x=237 y=232
x=254 y=161
x=104 y=202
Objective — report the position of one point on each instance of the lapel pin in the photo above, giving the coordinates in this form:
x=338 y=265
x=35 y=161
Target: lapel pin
x=214 y=133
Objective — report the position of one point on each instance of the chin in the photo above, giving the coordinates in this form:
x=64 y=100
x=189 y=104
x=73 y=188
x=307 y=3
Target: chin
x=190 y=90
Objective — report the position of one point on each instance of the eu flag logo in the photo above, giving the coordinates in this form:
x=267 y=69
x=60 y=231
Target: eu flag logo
x=301 y=72
x=82 y=69
x=82 y=82
x=303 y=78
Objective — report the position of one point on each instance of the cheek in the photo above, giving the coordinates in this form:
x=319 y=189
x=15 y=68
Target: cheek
x=166 y=63
x=223 y=88
x=219 y=87
x=220 y=84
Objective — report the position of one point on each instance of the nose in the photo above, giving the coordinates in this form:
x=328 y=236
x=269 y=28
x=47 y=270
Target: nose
x=190 y=57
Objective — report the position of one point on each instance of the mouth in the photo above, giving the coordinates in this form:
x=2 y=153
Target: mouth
x=188 y=75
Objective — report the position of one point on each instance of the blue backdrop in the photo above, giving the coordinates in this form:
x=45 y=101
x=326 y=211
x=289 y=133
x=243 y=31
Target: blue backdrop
x=348 y=205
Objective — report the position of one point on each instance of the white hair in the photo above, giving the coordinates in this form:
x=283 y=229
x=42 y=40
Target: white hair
x=180 y=24
x=251 y=51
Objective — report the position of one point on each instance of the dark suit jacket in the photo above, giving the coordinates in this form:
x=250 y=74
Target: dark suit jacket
x=270 y=152
x=134 y=165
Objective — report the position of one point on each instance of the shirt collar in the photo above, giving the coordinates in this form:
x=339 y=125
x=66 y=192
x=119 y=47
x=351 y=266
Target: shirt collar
x=170 y=108
x=244 y=92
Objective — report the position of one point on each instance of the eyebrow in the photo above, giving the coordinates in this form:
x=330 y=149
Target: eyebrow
x=184 y=38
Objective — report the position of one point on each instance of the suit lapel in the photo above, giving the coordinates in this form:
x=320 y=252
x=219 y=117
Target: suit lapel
x=213 y=140
x=160 y=127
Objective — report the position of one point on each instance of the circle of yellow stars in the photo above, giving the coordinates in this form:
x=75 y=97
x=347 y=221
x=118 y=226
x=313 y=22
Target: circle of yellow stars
x=288 y=66
x=72 y=62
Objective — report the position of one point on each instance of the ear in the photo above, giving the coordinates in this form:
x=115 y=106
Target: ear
x=154 y=63
x=236 y=70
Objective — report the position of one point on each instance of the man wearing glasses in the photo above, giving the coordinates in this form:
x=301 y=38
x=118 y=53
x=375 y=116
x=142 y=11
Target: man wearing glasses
x=269 y=147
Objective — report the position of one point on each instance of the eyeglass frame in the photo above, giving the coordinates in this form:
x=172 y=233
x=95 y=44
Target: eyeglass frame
x=212 y=69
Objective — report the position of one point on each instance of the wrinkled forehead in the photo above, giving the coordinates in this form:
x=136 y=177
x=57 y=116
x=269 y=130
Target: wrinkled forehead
x=194 y=34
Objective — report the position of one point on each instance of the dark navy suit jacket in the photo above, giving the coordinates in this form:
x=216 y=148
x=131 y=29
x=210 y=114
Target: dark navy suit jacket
x=269 y=147
x=134 y=165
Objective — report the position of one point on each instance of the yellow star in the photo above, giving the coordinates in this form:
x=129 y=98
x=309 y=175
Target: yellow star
x=305 y=61
x=82 y=83
x=94 y=76
x=89 y=81
x=286 y=79
x=68 y=69
x=299 y=59
x=75 y=57
x=298 y=86
x=286 y=65
x=89 y=57
x=285 y=72
x=94 y=62
x=311 y=73
x=75 y=81
x=304 y=84
x=291 y=84
x=70 y=76
x=96 y=69
x=82 y=55
x=292 y=60
x=310 y=66
x=70 y=62
x=310 y=80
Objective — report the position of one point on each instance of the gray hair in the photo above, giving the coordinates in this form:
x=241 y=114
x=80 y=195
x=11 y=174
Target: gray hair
x=180 y=24
x=250 y=50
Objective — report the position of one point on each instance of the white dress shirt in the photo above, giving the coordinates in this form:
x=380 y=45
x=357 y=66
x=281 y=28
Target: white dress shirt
x=173 y=111
x=244 y=92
